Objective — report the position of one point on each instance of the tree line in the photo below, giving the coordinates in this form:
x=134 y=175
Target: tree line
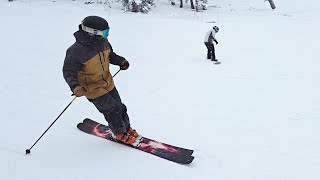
x=145 y=6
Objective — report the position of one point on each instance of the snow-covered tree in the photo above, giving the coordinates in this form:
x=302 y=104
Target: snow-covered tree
x=203 y=4
x=143 y=6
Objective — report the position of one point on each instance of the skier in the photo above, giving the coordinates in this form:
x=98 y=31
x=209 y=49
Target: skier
x=208 y=41
x=86 y=71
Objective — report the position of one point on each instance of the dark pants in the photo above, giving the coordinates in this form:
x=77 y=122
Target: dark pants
x=211 y=52
x=114 y=111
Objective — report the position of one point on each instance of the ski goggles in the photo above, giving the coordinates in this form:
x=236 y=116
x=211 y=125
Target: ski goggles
x=104 y=33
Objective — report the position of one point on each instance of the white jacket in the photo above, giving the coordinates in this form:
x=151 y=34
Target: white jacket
x=210 y=36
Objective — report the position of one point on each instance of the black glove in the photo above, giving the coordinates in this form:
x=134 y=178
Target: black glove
x=216 y=42
x=124 y=65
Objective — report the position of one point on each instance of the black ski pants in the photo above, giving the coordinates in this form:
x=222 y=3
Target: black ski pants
x=114 y=111
x=211 y=51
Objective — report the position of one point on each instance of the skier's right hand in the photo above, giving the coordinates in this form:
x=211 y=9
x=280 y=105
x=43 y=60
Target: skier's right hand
x=79 y=91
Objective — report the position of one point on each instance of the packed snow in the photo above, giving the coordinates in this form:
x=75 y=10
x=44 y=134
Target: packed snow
x=256 y=116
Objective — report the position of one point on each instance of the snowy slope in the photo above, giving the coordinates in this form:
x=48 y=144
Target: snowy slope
x=254 y=117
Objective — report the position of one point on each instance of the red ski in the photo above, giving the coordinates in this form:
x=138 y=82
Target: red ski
x=162 y=150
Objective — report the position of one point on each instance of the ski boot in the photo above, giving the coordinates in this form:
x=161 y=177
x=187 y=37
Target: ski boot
x=133 y=132
x=131 y=137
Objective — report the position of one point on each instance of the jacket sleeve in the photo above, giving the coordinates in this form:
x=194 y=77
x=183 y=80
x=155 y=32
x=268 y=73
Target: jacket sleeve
x=71 y=67
x=215 y=40
x=114 y=58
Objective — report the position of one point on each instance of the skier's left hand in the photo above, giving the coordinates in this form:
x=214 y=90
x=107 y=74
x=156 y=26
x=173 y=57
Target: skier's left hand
x=124 y=65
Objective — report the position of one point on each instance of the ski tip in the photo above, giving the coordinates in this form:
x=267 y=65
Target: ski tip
x=87 y=119
x=84 y=121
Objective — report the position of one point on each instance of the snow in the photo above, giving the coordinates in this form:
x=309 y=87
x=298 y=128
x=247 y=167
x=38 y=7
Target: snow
x=253 y=117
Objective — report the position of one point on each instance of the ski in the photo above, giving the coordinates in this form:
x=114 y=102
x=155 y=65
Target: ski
x=187 y=152
x=162 y=150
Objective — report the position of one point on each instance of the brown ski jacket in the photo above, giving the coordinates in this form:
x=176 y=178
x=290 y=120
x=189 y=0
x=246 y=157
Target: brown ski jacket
x=87 y=64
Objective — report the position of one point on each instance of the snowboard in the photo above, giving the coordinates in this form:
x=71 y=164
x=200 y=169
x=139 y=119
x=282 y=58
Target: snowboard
x=216 y=62
x=159 y=149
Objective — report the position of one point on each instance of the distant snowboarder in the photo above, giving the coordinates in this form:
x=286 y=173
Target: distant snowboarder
x=86 y=70
x=208 y=41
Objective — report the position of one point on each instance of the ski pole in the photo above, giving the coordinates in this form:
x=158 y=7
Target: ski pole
x=116 y=73
x=28 y=151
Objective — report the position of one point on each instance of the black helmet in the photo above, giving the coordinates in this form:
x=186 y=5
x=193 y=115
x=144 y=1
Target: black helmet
x=95 y=22
x=216 y=29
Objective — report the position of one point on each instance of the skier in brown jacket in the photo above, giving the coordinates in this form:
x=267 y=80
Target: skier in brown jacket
x=86 y=70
